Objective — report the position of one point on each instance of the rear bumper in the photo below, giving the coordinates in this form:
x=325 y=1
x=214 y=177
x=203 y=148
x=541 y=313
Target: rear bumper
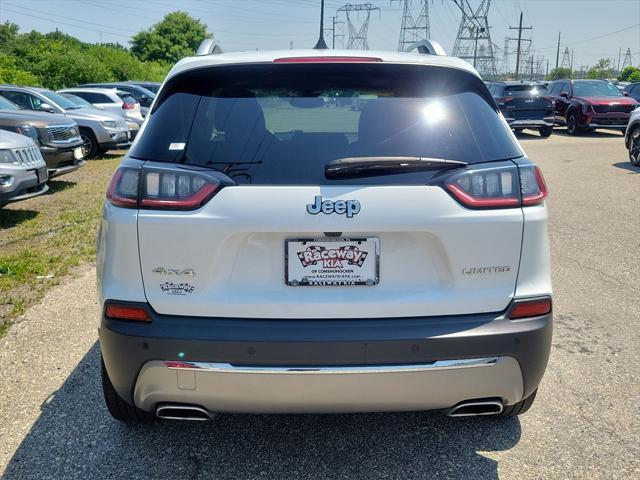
x=540 y=123
x=24 y=185
x=402 y=350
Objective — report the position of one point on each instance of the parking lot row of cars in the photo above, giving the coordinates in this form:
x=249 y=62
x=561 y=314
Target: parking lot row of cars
x=580 y=105
x=45 y=134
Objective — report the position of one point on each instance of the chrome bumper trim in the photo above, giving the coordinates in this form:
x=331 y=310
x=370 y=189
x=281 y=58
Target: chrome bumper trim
x=332 y=370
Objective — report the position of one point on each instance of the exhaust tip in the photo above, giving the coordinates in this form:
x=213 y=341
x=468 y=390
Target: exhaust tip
x=474 y=408
x=183 y=412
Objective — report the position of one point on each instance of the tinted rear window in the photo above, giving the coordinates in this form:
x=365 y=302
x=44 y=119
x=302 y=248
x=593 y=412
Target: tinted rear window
x=282 y=123
x=524 y=90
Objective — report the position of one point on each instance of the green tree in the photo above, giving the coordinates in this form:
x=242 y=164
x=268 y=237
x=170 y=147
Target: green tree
x=9 y=73
x=601 y=70
x=630 y=74
x=8 y=31
x=176 y=36
x=558 y=73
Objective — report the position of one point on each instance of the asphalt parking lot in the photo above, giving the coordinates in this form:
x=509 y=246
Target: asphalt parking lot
x=585 y=423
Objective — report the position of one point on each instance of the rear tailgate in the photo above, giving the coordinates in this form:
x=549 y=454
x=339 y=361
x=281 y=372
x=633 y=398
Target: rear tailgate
x=433 y=254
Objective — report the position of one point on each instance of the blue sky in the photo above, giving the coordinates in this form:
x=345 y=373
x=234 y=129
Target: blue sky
x=269 y=24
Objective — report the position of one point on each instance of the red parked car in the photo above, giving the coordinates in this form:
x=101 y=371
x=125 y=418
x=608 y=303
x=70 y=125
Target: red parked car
x=584 y=105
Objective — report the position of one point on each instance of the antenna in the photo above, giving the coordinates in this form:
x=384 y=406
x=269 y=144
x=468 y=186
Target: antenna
x=321 y=45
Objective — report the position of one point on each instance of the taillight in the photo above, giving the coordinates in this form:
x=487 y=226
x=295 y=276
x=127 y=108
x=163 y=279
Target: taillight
x=486 y=188
x=128 y=106
x=503 y=100
x=532 y=184
x=161 y=188
x=118 y=311
x=530 y=308
x=503 y=186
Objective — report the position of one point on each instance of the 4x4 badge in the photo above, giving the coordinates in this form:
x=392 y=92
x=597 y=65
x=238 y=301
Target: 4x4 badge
x=341 y=207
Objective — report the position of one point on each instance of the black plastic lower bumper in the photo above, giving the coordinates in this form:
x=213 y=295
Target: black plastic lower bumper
x=127 y=346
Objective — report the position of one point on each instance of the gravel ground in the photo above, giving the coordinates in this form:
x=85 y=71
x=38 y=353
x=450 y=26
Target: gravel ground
x=584 y=424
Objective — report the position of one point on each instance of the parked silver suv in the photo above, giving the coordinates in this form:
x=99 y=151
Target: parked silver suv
x=23 y=173
x=100 y=131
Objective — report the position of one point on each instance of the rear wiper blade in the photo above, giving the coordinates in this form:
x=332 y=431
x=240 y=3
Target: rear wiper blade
x=367 y=166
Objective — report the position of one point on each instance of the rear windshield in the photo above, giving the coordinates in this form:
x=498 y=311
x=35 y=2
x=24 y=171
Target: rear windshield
x=524 y=90
x=282 y=123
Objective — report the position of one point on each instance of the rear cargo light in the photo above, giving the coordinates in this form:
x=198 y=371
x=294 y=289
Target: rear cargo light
x=161 y=189
x=498 y=187
x=533 y=186
x=486 y=188
x=530 y=308
x=327 y=60
x=127 y=312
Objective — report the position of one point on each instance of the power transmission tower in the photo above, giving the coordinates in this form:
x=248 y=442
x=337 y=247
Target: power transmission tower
x=413 y=29
x=566 y=59
x=520 y=28
x=627 y=62
x=506 y=66
x=358 y=30
x=473 y=42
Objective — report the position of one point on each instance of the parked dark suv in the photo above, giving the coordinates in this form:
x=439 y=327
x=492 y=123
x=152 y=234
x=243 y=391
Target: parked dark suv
x=632 y=90
x=584 y=105
x=524 y=105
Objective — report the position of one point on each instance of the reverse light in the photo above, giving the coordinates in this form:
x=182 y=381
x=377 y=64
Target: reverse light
x=530 y=308
x=127 y=312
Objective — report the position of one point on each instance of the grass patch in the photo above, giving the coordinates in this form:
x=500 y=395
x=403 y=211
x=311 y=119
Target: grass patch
x=43 y=238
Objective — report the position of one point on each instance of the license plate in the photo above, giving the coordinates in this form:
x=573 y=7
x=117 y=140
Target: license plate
x=42 y=175
x=77 y=153
x=328 y=262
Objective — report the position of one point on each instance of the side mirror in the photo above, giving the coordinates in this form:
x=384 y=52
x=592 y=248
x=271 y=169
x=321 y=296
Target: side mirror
x=564 y=94
x=45 y=107
x=626 y=94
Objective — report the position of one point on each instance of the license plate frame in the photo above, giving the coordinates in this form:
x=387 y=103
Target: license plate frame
x=354 y=273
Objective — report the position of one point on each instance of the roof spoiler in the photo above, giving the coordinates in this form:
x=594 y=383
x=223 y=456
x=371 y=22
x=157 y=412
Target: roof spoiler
x=209 y=47
x=426 y=47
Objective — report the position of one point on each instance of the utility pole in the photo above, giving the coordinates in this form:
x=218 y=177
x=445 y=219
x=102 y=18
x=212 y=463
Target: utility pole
x=547 y=74
x=519 y=28
x=334 y=22
x=558 y=51
x=619 y=55
x=572 y=52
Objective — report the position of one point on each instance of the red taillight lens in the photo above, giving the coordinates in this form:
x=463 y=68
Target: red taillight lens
x=533 y=186
x=161 y=189
x=127 y=312
x=327 y=60
x=486 y=188
x=128 y=106
x=123 y=189
x=503 y=100
x=531 y=308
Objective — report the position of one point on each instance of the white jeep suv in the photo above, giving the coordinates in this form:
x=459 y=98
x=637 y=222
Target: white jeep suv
x=323 y=231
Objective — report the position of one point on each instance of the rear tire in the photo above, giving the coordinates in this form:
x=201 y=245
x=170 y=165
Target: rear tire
x=519 y=408
x=546 y=132
x=118 y=408
x=572 y=124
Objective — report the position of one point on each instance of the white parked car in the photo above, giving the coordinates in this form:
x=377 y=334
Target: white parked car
x=23 y=173
x=295 y=254
x=109 y=100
